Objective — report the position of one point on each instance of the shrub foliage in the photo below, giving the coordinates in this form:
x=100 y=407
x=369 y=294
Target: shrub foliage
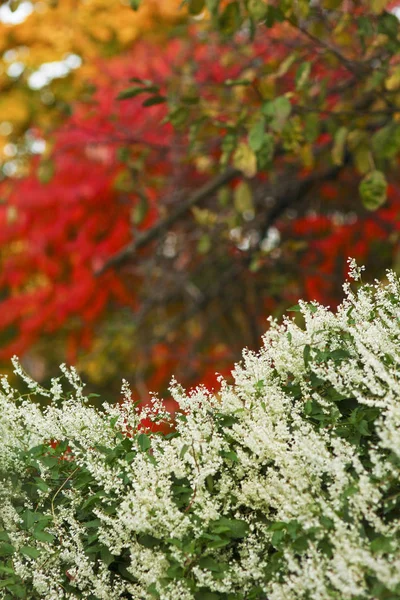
x=283 y=485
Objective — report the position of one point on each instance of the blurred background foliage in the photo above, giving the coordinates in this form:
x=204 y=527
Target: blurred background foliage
x=173 y=173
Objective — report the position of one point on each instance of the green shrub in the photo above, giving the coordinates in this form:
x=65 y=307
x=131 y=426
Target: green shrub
x=284 y=485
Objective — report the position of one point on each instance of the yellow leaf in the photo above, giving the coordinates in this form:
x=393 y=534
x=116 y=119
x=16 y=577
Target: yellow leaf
x=245 y=160
x=307 y=156
x=204 y=217
x=258 y=9
x=285 y=65
x=362 y=159
x=357 y=137
x=11 y=215
x=339 y=145
x=393 y=81
x=243 y=198
x=378 y=6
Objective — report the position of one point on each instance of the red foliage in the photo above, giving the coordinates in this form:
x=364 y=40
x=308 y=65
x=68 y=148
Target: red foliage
x=56 y=235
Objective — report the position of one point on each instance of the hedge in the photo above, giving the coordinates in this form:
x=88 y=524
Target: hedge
x=283 y=485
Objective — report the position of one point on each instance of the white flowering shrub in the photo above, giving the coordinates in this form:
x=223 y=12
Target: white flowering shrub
x=282 y=486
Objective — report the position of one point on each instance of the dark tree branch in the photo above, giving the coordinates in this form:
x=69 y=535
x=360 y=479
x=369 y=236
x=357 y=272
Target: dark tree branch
x=287 y=193
x=150 y=235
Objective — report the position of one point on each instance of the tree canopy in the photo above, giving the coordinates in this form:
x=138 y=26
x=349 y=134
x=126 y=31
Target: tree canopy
x=195 y=170
x=284 y=485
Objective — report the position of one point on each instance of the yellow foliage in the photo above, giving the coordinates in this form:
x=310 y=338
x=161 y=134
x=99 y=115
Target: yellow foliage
x=88 y=29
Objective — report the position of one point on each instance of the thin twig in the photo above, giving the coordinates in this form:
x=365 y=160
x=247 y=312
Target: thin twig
x=59 y=490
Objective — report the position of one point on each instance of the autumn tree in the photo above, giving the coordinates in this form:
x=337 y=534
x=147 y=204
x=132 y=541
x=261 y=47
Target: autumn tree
x=200 y=184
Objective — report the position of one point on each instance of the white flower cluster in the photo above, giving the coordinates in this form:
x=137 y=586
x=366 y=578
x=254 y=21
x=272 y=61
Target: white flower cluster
x=283 y=486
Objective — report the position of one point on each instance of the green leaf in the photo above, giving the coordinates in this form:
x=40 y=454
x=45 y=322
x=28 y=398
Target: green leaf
x=209 y=563
x=43 y=536
x=143 y=441
x=140 y=209
x=339 y=145
x=6 y=582
x=230 y=455
x=196 y=6
x=183 y=451
x=312 y=125
x=204 y=244
x=278 y=112
x=8 y=570
x=234 y=528
x=277 y=537
x=266 y=153
x=41 y=485
x=210 y=483
x=46 y=170
x=154 y=100
x=148 y=541
x=373 y=190
x=6 y=549
x=237 y=82
x=213 y=6
x=307 y=354
x=135 y=4
x=256 y=135
x=132 y=92
x=29 y=518
x=205 y=595
x=258 y=9
x=274 y=15
x=386 y=141
x=382 y=545
x=226 y=420
x=243 y=198
x=29 y=551
x=302 y=75
x=229 y=21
